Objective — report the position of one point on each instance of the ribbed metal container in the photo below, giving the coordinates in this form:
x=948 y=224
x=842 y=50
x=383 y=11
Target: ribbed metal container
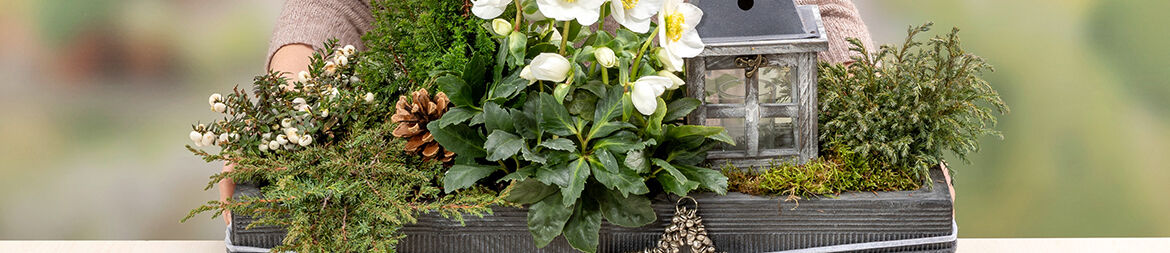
x=736 y=222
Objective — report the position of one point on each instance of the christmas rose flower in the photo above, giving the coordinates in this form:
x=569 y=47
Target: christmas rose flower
x=646 y=91
x=675 y=81
x=586 y=12
x=550 y=67
x=526 y=73
x=489 y=9
x=668 y=60
x=634 y=14
x=676 y=31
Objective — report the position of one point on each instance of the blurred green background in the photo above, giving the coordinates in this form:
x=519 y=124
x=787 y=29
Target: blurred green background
x=96 y=98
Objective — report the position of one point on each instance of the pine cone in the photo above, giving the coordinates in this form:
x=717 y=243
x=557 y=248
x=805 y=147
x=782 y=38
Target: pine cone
x=412 y=118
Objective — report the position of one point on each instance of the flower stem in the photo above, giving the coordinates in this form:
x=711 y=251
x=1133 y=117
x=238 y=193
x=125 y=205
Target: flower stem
x=565 y=37
x=519 y=11
x=634 y=68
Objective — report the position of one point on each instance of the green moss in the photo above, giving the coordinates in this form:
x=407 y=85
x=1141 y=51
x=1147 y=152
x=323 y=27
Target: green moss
x=841 y=171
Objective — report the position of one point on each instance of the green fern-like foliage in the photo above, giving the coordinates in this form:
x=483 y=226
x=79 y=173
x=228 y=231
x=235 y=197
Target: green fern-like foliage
x=904 y=108
x=413 y=41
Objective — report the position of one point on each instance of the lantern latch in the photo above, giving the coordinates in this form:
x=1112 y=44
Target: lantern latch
x=750 y=64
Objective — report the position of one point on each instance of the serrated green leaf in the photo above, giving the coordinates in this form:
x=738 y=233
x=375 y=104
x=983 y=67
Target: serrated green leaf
x=547 y=218
x=530 y=191
x=456 y=115
x=583 y=226
x=636 y=160
x=555 y=119
x=462 y=176
x=457 y=90
x=529 y=155
x=672 y=180
x=679 y=108
x=554 y=174
x=625 y=210
x=621 y=179
x=519 y=174
x=561 y=144
x=578 y=173
x=608 y=106
x=502 y=145
x=508 y=88
x=497 y=118
x=460 y=139
x=605 y=128
x=708 y=178
x=620 y=142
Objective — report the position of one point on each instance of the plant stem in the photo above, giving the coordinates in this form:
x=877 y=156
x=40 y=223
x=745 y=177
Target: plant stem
x=634 y=68
x=519 y=11
x=565 y=37
x=605 y=76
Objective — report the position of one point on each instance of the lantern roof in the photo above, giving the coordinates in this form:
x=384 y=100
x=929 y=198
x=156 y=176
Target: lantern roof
x=763 y=27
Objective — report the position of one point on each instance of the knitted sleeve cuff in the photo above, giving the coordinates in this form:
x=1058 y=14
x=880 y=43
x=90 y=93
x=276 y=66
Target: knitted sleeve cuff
x=312 y=22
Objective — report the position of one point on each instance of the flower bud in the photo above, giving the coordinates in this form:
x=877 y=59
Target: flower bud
x=341 y=60
x=325 y=113
x=605 y=57
x=234 y=136
x=266 y=136
x=219 y=107
x=286 y=123
x=501 y=27
x=200 y=127
x=223 y=138
x=273 y=145
x=526 y=73
x=329 y=69
x=305 y=140
x=280 y=139
x=208 y=139
x=304 y=77
x=348 y=50
x=196 y=136
x=550 y=67
x=675 y=82
x=263 y=147
x=215 y=97
x=369 y=97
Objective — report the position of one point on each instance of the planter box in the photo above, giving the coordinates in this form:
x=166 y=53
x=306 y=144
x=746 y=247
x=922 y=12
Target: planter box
x=736 y=222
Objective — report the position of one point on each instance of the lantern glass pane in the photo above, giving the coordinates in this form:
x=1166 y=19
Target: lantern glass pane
x=725 y=86
x=776 y=133
x=735 y=127
x=776 y=84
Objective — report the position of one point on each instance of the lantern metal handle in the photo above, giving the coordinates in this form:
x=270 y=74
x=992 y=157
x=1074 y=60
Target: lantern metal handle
x=750 y=64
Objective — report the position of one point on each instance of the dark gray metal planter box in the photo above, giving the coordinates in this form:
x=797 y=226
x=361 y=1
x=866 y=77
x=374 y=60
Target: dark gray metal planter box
x=736 y=222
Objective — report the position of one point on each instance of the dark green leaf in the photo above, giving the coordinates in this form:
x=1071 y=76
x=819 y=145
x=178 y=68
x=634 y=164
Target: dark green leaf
x=508 y=87
x=502 y=145
x=476 y=70
x=462 y=176
x=530 y=191
x=554 y=173
x=561 y=144
x=708 y=178
x=497 y=118
x=582 y=229
x=609 y=106
x=654 y=123
x=621 y=179
x=547 y=218
x=526 y=124
x=457 y=90
x=460 y=139
x=516 y=47
x=456 y=115
x=529 y=155
x=541 y=48
x=620 y=142
x=605 y=128
x=556 y=119
x=679 y=108
x=636 y=160
x=672 y=180
x=582 y=103
x=627 y=211
x=520 y=174
x=578 y=174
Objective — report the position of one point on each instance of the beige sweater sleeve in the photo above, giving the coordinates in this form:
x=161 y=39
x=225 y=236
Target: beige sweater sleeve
x=312 y=22
x=841 y=21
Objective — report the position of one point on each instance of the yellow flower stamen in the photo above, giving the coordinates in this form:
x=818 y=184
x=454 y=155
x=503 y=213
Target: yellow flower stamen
x=674 y=26
x=629 y=4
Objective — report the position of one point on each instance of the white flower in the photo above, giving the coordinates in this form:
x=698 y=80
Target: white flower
x=298 y=101
x=369 y=97
x=223 y=138
x=489 y=9
x=526 y=73
x=325 y=113
x=286 y=123
x=263 y=147
x=333 y=92
x=305 y=140
x=208 y=139
x=291 y=134
x=341 y=60
x=200 y=127
x=501 y=27
x=354 y=79
x=214 y=98
x=234 y=136
x=348 y=50
x=675 y=82
x=266 y=136
x=676 y=29
x=273 y=145
x=329 y=68
x=646 y=91
x=668 y=60
x=605 y=57
x=585 y=12
x=304 y=76
x=299 y=104
x=195 y=136
x=634 y=14
x=280 y=139
x=555 y=39
x=550 y=67
x=219 y=107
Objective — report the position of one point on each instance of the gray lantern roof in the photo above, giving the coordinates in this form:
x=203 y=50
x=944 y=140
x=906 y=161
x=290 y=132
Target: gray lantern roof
x=768 y=27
